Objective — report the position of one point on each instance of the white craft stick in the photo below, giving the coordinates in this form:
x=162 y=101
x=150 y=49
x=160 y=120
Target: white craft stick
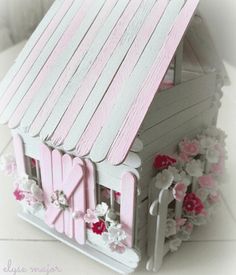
x=82 y=70
x=120 y=110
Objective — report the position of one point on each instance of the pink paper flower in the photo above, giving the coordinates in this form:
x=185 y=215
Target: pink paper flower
x=90 y=217
x=193 y=204
x=188 y=227
x=218 y=168
x=189 y=147
x=179 y=191
x=19 y=195
x=163 y=162
x=206 y=181
x=119 y=248
x=180 y=222
x=183 y=157
x=214 y=197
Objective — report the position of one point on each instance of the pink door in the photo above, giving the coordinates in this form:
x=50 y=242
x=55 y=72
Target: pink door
x=68 y=185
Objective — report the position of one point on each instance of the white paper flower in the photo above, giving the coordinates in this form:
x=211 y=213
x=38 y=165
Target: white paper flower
x=7 y=164
x=25 y=183
x=101 y=209
x=114 y=235
x=164 y=179
x=114 y=238
x=185 y=232
x=175 y=173
x=194 y=168
x=174 y=244
x=213 y=155
x=37 y=192
x=206 y=143
x=32 y=208
x=216 y=133
x=170 y=228
x=185 y=178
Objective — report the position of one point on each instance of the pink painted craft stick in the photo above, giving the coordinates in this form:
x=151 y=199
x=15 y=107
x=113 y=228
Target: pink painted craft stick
x=19 y=154
x=61 y=46
x=16 y=82
x=70 y=69
x=67 y=164
x=127 y=206
x=57 y=183
x=100 y=116
x=91 y=185
x=128 y=132
x=46 y=173
x=95 y=71
x=70 y=184
x=79 y=199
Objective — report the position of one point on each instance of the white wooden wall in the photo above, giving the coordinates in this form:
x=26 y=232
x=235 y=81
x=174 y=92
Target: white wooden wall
x=18 y=19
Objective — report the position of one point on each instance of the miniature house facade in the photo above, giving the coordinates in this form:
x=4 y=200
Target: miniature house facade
x=99 y=90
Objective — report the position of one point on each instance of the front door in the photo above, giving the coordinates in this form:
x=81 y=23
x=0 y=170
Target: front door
x=66 y=197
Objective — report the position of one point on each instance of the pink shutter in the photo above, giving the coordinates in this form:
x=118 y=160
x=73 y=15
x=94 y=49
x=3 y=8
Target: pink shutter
x=70 y=183
x=68 y=219
x=57 y=183
x=127 y=207
x=19 y=154
x=91 y=185
x=79 y=199
x=46 y=173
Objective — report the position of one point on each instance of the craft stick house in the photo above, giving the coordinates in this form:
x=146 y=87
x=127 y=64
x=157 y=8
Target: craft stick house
x=100 y=88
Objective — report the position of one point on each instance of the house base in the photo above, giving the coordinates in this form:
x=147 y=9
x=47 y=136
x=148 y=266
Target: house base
x=86 y=249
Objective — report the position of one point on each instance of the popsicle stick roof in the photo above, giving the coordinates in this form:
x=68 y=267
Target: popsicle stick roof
x=88 y=74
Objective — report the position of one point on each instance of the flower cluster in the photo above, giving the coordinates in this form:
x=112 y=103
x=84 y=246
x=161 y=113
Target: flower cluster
x=104 y=222
x=192 y=175
x=29 y=194
x=59 y=200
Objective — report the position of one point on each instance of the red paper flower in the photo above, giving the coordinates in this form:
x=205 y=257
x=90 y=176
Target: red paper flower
x=163 y=162
x=99 y=227
x=193 y=204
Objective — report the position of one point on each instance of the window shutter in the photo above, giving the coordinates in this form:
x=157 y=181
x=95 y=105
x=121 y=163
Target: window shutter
x=19 y=154
x=127 y=208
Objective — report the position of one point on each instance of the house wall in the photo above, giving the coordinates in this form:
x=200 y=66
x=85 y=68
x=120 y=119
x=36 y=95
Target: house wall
x=107 y=175
x=175 y=113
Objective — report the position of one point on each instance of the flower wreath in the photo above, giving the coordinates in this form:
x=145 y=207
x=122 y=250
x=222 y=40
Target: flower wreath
x=200 y=162
x=26 y=191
